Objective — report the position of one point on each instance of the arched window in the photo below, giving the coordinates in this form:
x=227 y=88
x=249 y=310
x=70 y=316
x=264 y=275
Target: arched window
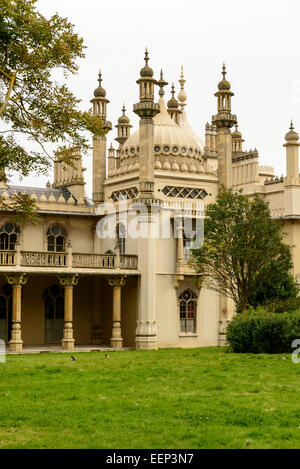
x=5 y=312
x=8 y=237
x=188 y=308
x=121 y=238
x=54 y=313
x=56 y=239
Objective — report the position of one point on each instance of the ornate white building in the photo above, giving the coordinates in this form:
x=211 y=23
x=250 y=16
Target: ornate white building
x=60 y=282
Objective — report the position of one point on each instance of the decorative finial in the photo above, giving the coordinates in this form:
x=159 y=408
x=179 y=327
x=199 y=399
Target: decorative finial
x=100 y=77
x=146 y=56
x=123 y=109
x=224 y=72
x=161 y=83
x=173 y=89
x=292 y=128
x=182 y=97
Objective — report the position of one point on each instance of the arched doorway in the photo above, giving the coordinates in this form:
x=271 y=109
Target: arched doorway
x=5 y=312
x=54 y=302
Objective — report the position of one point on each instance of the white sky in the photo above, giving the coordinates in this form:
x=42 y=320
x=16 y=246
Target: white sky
x=258 y=39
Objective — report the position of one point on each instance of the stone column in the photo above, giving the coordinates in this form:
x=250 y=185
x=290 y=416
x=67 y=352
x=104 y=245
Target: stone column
x=117 y=283
x=146 y=331
x=17 y=281
x=224 y=146
x=68 y=282
x=180 y=254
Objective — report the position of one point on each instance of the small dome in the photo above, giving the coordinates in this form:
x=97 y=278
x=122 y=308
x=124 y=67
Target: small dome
x=123 y=120
x=100 y=92
x=146 y=71
x=236 y=133
x=173 y=103
x=292 y=136
x=224 y=85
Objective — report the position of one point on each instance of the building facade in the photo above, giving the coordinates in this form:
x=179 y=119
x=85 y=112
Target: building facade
x=69 y=280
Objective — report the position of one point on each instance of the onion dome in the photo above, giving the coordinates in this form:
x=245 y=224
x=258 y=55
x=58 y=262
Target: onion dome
x=146 y=71
x=123 y=119
x=173 y=103
x=224 y=84
x=100 y=92
x=236 y=133
x=292 y=136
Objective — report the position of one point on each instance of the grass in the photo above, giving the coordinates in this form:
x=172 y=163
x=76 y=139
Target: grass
x=204 y=398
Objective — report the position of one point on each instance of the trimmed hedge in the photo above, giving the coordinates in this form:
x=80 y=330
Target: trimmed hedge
x=263 y=332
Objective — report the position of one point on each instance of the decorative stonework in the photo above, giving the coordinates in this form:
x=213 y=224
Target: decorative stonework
x=184 y=192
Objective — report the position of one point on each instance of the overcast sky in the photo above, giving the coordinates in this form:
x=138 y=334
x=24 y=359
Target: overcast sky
x=258 y=39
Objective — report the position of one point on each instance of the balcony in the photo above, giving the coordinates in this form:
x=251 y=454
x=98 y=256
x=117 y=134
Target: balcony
x=67 y=261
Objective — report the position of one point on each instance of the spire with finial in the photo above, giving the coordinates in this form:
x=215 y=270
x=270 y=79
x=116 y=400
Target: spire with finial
x=100 y=91
x=173 y=106
x=161 y=83
x=123 y=127
x=224 y=84
x=292 y=136
x=146 y=71
x=146 y=82
x=100 y=101
x=237 y=140
x=182 y=97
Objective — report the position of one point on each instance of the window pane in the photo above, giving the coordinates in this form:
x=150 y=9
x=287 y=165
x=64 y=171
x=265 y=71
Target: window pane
x=59 y=244
x=190 y=325
x=182 y=325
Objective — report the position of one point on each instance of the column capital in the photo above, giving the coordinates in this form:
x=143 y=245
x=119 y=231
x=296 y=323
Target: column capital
x=117 y=281
x=17 y=279
x=70 y=280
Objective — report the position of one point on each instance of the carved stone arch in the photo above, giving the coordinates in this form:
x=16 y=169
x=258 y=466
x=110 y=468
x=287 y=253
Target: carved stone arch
x=188 y=284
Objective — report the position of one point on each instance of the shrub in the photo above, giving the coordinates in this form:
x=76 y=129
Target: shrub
x=263 y=332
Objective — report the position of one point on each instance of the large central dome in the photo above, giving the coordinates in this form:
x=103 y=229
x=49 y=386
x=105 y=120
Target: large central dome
x=169 y=138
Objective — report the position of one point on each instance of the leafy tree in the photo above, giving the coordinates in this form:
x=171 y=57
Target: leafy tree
x=242 y=246
x=32 y=104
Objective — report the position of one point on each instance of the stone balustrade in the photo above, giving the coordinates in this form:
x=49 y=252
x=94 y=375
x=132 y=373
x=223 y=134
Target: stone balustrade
x=7 y=257
x=43 y=259
x=67 y=260
x=128 y=262
x=94 y=261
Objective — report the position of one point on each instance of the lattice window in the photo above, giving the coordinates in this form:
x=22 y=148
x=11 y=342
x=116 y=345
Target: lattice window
x=130 y=193
x=184 y=192
x=188 y=308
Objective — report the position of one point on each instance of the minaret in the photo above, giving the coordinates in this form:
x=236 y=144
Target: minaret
x=146 y=109
x=224 y=120
x=292 y=157
x=99 y=143
x=237 y=140
x=173 y=106
x=123 y=128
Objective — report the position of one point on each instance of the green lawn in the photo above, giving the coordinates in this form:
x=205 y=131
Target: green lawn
x=204 y=398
